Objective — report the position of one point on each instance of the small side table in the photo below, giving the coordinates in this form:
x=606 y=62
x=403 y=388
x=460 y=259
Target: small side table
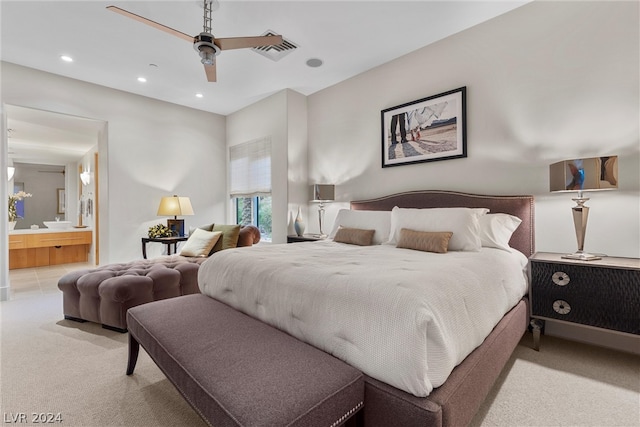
x=292 y=238
x=166 y=240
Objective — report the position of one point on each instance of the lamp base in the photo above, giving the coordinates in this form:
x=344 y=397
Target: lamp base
x=318 y=236
x=581 y=256
x=176 y=226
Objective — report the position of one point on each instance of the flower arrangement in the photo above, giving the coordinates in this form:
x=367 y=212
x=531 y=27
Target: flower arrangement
x=160 y=230
x=13 y=199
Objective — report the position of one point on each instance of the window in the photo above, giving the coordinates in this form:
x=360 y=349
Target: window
x=250 y=184
x=255 y=211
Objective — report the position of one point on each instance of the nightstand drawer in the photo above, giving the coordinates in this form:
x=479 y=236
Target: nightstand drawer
x=586 y=293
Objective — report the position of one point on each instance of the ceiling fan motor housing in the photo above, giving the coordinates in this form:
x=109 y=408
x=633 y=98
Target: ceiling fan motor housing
x=203 y=43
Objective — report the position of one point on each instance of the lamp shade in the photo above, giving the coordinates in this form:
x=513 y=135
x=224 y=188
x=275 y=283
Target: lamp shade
x=591 y=174
x=174 y=206
x=322 y=192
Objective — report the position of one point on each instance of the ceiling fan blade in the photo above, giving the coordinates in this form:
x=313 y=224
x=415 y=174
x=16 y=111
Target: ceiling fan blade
x=211 y=72
x=242 y=42
x=154 y=24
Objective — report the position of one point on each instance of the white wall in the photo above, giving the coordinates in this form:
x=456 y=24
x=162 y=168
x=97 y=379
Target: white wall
x=149 y=149
x=546 y=82
x=281 y=117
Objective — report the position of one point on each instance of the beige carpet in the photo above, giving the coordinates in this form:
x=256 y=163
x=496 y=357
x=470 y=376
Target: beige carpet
x=50 y=365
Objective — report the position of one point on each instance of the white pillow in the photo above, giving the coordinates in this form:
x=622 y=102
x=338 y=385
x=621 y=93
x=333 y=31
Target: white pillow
x=200 y=243
x=496 y=230
x=462 y=222
x=380 y=221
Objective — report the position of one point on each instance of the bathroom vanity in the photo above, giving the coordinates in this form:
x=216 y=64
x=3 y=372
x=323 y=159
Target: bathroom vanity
x=42 y=247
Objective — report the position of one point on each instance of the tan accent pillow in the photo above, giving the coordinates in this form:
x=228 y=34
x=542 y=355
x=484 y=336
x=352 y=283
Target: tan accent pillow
x=354 y=236
x=427 y=241
x=229 y=238
x=208 y=227
x=200 y=243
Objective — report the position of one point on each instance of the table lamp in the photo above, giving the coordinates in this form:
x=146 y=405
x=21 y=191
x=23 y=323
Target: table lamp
x=322 y=193
x=174 y=206
x=591 y=174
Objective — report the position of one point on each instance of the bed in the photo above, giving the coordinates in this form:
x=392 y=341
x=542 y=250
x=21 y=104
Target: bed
x=387 y=312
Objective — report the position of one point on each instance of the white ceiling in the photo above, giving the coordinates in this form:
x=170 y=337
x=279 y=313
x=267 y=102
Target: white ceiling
x=111 y=50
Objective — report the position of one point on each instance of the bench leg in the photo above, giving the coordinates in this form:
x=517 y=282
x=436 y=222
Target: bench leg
x=115 y=328
x=134 y=349
x=75 y=319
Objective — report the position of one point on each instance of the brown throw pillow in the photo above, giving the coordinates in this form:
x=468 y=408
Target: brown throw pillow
x=229 y=238
x=354 y=236
x=427 y=241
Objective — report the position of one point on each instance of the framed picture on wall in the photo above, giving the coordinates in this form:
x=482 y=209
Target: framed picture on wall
x=426 y=130
x=61 y=204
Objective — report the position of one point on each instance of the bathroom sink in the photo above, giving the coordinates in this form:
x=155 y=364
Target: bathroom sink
x=57 y=225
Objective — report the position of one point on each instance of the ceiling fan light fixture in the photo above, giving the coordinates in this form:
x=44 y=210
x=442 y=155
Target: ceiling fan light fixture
x=203 y=44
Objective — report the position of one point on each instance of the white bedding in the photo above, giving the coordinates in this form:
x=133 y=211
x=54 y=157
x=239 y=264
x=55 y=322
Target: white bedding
x=404 y=317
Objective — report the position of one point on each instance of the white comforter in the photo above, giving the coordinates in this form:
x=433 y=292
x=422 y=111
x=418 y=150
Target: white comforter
x=404 y=317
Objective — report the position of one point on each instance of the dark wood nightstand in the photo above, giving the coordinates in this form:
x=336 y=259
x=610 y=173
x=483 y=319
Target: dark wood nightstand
x=166 y=240
x=600 y=294
x=292 y=238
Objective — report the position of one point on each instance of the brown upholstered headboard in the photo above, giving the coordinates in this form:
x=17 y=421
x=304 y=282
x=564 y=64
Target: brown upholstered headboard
x=520 y=206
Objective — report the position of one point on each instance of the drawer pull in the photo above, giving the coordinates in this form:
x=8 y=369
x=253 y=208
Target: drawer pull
x=560 y=278
x=561 y=307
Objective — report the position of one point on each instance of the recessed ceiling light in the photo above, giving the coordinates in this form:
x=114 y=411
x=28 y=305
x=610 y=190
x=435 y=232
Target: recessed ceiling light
x=142 y=79
x=66 y=58
x=199 y=95
x=314 y=62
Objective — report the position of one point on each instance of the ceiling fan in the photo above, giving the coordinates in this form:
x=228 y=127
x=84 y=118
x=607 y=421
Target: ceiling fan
x=207 y=46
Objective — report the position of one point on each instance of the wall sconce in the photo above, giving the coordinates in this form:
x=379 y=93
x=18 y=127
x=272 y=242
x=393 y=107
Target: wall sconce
x=592 y=174
x=85 y=177
x=322 y=193
x=10 y=171
x=174 y=206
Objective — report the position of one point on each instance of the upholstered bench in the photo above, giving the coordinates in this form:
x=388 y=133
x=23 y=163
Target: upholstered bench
x=237 y=371
x=104 y=294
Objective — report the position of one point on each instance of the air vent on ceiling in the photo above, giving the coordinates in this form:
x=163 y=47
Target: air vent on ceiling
x=277 y=52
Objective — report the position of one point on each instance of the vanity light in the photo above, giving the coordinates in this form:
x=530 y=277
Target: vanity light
x=142 y=80
x=199 y=95
x=66 y=58
x=85 y=177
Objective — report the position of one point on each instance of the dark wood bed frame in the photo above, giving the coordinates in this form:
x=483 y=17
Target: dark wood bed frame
x=455 y=402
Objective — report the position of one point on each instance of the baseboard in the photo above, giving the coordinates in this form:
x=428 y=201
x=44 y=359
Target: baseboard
x=610 y=339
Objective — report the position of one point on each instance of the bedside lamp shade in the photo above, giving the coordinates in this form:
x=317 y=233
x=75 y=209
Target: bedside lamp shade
x=174 y=206
x=322 y=193
x=591 y=174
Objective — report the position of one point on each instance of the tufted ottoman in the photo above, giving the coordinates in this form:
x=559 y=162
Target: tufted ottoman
x=104 y=294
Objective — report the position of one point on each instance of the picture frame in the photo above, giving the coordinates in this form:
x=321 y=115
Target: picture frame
x=61 y=201
x=176 y=226
x=426 y=130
